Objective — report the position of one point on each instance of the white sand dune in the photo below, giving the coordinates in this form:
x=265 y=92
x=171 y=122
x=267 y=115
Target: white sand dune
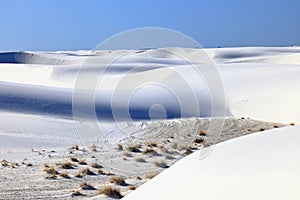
x=259 y=82
x=259 y=166
x=36 y=91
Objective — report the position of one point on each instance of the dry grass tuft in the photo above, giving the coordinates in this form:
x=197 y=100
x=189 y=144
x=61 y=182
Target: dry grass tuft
x=150 y=151
x=73 y=159
x=64 y=175
x=75 y=147
x=292 y=124
x=161 y=164
x=120 y=147
x=134 y=148
x=132 y=187
x=86 y=186
x=151 y=176
x=82 y=162
x=50 y=170
x=118 y=180
x=202 y=133
x=94 y=148
x=199 y=140
x=111 y=192
x=151 y=144
x=188 y=151
x=96 y=165
x=76 y=193
x=4 y=163
x=87 y=171
x=262 y=129
x=67 y=165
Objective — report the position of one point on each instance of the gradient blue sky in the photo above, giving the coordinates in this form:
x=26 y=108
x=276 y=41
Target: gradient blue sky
x=72 y=25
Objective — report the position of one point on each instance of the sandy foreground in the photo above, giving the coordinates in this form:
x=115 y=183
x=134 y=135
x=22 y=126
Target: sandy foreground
x=81 y=172
x=43 y=156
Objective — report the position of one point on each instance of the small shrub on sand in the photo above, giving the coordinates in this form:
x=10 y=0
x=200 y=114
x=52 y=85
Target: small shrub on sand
x=82 y=162
x=75 y=147
x=151 y=176
x=118 y=180
x=4 y=163
x=87 y=171
x=111 y=192
x=198 y=140
x=262 y=129
x=134 y=148
x=151 y=144
x=161 y=164
x=150 y=151
x=292 y=124
x=51 y=170
x=67 y=165
x=202 y=133
x=64 y=175
x=275 y=126
x=94 y=148
x=96 y=165
x=140 y=159
x=73 y=159
x=86 y=186
x=29 y=165
x=120 y=147
x=76 y=193
x=188 y=151
x=132 y=187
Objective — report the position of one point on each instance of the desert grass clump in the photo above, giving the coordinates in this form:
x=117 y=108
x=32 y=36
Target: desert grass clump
x=82 y=162
x=118 y=180
x=4 y=163
x=29 y=165
x=120 y=147
x=132 y=187
x=150 y=151
x=262 y=129
x=134 y=148
x=199 y=140
x=87 y=171
x=73 y=159
x=64 y=175
x=151 y=144
x=275 y=126
x=140 y=159
x=161 y=164
x=292 y=124
x=86 y=186
x=202 y=133
x=94 y=148
x=188 y=151
x=67 y=165
x=75 y=147
x=50 y=170
x=76 y=193
x=96 y=165
x=111 y=192
x=151 y=176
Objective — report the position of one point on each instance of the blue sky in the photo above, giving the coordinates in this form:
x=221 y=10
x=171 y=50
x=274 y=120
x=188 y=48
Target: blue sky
x=72 y=25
